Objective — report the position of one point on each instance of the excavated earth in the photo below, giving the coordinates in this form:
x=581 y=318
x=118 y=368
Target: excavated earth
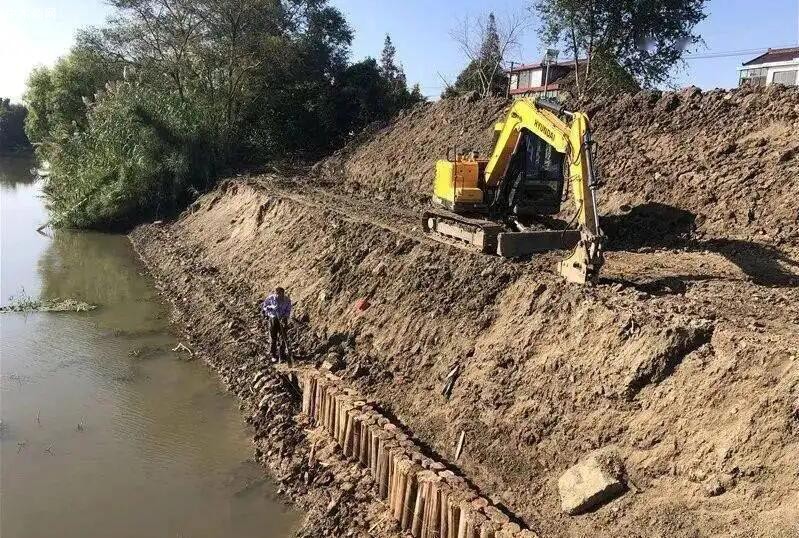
x=683 y=362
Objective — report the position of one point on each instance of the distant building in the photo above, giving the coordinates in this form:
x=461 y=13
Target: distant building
x=777 y=66
x=529 y=80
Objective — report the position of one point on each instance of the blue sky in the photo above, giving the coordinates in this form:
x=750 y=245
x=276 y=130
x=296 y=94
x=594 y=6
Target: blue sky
x=39 y=31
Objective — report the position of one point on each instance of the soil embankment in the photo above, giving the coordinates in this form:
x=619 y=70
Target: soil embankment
x=683 y=362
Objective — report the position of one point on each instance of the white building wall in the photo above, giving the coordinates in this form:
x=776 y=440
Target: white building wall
x=772 y=68
x=536 y=78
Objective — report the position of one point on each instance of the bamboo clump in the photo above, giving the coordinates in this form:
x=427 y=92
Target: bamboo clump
x=426 y=499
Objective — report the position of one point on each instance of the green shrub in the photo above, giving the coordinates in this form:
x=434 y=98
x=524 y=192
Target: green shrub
x=12 y=132
x=142 y=154
x=56 y=95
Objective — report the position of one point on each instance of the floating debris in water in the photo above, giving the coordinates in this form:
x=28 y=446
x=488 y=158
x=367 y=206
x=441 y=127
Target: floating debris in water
x=25 y=303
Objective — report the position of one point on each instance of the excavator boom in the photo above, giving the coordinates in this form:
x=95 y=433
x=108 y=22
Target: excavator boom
x=537 y=146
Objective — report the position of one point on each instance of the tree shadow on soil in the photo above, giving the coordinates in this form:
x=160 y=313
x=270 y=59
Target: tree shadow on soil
x=656 y=225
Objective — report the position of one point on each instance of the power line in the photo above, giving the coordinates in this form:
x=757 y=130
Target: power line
x=725 y=54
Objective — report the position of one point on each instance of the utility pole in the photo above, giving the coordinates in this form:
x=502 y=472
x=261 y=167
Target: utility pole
x=550 y=57
x=510 y=76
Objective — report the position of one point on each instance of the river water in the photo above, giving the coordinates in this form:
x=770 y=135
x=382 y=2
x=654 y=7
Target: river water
x=106 y=431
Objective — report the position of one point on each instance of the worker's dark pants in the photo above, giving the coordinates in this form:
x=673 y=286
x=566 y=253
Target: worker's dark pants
x=277 y=328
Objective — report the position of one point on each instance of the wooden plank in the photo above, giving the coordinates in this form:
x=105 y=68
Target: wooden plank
x=411 y=493
x=422 y=495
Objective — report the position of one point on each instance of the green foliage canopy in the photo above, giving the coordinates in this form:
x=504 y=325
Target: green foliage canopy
x=625 y=41
x=147 y=109
x=140 y=155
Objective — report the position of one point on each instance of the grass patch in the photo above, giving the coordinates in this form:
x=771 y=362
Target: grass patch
x=22 y=302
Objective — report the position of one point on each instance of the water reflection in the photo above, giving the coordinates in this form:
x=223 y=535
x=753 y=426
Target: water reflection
x=15 y=171
x=100 y=269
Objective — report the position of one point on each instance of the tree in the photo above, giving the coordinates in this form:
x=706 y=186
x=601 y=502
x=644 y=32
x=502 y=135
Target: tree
x=394 y=76
x=12 y=126
x=141 y=155
x=57 y=96
x=416 y=94
x=145 y=109
x=642 y=39
x=490 y=49
x=362 y=96
x=485 y=43
x=389 y=69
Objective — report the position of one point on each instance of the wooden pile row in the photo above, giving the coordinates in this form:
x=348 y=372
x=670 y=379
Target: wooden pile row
x=423 y=496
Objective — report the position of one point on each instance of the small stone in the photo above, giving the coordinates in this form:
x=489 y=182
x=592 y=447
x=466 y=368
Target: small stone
x=332 y=505
x=586 y=486
x=714 y=487
x=332 y=363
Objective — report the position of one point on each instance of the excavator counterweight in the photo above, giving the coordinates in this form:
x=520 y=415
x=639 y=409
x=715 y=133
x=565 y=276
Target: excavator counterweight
x=504 y=204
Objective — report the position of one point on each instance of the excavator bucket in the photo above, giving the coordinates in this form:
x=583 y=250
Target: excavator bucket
x=516 y=244
x=585 y=262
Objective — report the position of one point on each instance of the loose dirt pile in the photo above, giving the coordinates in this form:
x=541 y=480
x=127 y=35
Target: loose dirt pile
x=677 y=165
x=398 y=161
x=720 y=164
x=682 y=364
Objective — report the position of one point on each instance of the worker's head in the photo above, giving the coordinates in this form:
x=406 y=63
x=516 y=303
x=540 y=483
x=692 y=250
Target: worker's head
x=280 y=292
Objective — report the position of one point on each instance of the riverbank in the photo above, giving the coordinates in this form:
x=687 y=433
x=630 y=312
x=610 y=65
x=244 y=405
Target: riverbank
x=218 y=318
x=548 y=372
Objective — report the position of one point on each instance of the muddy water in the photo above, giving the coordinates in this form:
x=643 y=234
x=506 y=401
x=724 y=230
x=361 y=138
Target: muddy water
x=106 y=431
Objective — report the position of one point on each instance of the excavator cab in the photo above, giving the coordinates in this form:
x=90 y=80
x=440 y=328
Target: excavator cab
x=538 y=186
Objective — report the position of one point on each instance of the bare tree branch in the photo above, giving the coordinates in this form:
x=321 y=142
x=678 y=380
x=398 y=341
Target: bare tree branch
x=471 y=34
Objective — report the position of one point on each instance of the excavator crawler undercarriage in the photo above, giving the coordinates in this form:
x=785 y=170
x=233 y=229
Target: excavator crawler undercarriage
x=493 y=238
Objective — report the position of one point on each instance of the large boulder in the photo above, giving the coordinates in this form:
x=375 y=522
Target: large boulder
x=588 y=485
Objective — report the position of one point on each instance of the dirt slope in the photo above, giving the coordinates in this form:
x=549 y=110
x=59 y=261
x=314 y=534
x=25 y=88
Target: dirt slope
x=683 y=361
x=398 y=161
x=719 y=164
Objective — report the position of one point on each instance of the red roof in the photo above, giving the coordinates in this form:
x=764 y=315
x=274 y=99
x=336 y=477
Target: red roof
x=776 y=55
x=551 y=87
x=564 y=63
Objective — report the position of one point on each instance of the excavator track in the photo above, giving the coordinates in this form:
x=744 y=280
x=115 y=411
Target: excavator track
x=492 y=238
x=479 y=233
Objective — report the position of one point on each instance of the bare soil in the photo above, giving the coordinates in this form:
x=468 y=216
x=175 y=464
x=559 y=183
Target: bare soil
x=683 y=361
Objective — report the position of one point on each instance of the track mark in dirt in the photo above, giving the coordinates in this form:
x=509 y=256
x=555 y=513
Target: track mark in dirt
x=403 y=223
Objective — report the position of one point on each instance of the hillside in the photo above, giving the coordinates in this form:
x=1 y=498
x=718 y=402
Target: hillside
x=682 y=363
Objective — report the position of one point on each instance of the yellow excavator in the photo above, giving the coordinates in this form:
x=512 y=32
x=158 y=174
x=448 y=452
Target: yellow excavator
x=503 y=204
